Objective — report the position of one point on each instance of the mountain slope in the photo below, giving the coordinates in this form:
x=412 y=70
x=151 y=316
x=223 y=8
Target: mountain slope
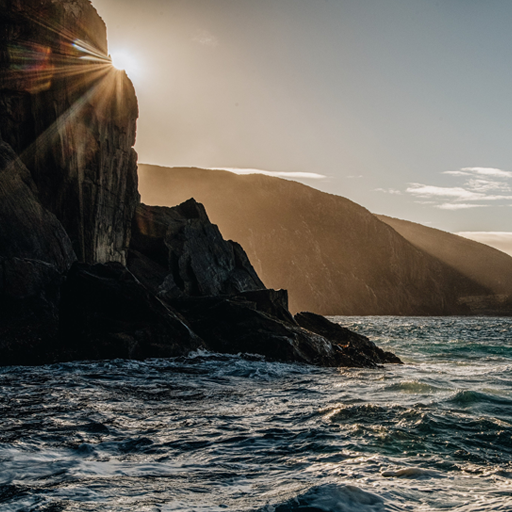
x=333 y=255
x=479 y=262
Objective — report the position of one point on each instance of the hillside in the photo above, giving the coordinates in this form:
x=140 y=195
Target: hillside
x=333 y=255
x=479 y=262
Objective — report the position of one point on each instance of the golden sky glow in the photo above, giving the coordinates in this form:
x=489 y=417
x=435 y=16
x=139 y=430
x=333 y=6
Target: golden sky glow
x=398 y=104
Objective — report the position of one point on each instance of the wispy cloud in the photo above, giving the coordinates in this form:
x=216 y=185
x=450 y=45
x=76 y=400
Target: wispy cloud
x=459 y=206
x=431 y=191
x=481 y=171
x=393 y=191
x=276 y=174
x=480 y=185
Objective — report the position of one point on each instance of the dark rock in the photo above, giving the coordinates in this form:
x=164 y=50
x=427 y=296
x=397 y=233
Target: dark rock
x=107 y=313
x=272 y=302
x=199 y=261
x=68 y=191
x=357 y=349
x=234 y=325
x=35 y=253
x=71 y=118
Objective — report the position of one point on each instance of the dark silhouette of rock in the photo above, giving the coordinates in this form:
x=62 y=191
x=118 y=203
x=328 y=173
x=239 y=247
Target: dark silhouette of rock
x=106 y=313
x=69 y=206
x=357 y=349
x=333 y=256
x=216 y=289
x=71 y=118
x=234 y=325
x=271 y=302
x=35 y=254
x=197 y=260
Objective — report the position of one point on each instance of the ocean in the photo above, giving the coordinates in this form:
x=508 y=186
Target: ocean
x=211 y=432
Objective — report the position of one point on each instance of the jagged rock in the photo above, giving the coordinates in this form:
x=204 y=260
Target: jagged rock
x=107 y=313
x=71 y=118
x=234 y=325
x=68 y=190
x=198 y=261
x=357 y=350
x=177 y=253
x=35 y=253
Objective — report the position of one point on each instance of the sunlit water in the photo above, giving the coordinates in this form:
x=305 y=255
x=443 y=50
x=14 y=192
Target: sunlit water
x=214 y=433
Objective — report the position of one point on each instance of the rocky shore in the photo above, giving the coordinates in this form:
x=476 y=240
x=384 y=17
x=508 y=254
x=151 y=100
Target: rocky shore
x=86 y=270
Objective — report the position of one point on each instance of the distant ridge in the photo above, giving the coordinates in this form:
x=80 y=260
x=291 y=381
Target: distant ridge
x=333 y=255
x=483 y=264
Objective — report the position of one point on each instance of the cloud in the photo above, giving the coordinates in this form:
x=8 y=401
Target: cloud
x=480 y=184
x=276 y=174
x=459 y=206
x=481 y=171
x=205 y=38
x=389 y=191
x=431 y=191
x=501 y=240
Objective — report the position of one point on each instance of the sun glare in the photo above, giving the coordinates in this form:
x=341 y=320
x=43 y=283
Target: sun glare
x=124 y=61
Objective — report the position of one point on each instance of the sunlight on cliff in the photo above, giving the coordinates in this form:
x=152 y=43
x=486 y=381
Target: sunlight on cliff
x=86 y=72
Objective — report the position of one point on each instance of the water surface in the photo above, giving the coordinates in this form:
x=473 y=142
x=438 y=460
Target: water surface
x=213 y=433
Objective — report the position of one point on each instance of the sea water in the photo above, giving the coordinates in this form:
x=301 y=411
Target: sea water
x=211 y=433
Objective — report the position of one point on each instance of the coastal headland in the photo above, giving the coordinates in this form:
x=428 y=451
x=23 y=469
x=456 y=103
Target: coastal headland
x=87 y=271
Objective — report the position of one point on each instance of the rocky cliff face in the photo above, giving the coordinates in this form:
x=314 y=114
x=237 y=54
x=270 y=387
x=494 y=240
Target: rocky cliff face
x=334 y=256
x=69 y=206
x=71 y=119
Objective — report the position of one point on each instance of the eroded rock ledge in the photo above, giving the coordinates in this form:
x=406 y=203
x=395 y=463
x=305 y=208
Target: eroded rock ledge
x=86 y=271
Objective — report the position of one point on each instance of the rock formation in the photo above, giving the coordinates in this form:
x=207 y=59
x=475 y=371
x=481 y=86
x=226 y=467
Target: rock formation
x=70 y=220
x=334 y=256
x=71 y=119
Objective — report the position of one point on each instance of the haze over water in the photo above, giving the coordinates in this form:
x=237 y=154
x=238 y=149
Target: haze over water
x=212 y=432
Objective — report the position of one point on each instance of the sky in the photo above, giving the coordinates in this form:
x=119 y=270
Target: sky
x=403 y=106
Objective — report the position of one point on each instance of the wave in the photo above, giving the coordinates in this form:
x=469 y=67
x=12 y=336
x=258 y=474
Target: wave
x=331 y=498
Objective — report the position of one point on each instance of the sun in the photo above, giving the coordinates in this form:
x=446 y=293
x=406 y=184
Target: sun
x=125 y=61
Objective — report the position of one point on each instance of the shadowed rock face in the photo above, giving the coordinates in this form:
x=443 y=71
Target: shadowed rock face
x=71 y=118
x=193 y=257
x=106 y=313
x=35 y=254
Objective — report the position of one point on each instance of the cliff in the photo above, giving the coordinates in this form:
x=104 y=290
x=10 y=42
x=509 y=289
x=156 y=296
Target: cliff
x=71 y=220
x=71 y=119
x=334 y=256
